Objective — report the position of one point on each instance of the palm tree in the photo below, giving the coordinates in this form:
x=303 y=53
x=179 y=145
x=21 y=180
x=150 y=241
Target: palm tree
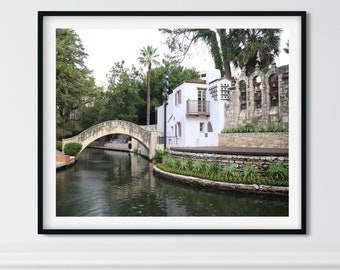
x=258 y=46
x=241 y=47
x=147 y=58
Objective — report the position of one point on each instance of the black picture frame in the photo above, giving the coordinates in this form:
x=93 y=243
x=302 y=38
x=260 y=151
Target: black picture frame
x=44 y=173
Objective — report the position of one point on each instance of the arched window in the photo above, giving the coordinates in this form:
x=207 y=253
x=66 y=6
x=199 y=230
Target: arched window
x=210 y=128
x=243 y=94
x=273 y=90
x=178 y=129
x=257 y=83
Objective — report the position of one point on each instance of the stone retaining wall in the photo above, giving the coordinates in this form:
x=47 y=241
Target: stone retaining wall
x=194 y=181
x=260 y=162
x=256 y=139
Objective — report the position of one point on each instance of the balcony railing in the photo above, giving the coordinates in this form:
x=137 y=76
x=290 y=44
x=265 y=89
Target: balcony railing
x=198 y=107
x=170 y=140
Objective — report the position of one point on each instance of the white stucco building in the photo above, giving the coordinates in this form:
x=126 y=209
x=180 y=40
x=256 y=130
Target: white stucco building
x=195 y=111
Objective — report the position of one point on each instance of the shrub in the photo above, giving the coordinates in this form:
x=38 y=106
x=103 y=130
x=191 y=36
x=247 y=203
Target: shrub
x=278 y=171
x=176 y=163
x=249 y=171
x=168 y=161
x=212 y=168
x=159 y=155
x=229 y=172
x=72 y=149
x=199 y=166
x=259 y=128
x=251 y=128
x=185 y=164
x=59 y=145
x=277 y=128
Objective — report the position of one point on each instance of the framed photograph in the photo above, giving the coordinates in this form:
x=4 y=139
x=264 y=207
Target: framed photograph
x=171 y=122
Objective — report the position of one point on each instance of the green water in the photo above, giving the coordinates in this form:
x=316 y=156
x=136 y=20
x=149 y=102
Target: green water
x=111 y=183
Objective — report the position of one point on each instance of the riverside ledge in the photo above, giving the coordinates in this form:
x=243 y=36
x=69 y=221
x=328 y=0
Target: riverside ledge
x=191 y=180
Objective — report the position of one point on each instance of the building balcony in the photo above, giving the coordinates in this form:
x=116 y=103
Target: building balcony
x=198 y=108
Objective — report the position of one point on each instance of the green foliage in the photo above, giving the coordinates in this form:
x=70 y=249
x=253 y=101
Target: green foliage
x=199 y=166
x=72 y=148
x=178 y=75
x=64 y=127
x=148 y=57
x=168 y=161
x=127 y=94
x=185 y=164
x=59 y=145
x=278 y=171
x=136 y=151
x=248 y=128
x=276 y=128
x=213 y=169
x=240 y=47
x=75 y=85
x=123 y=99
x=213 y=172
x=159 y=155
x=249 y=171
x=229 y=172
x=259 y=128
x=91 y=116
x=265 y=70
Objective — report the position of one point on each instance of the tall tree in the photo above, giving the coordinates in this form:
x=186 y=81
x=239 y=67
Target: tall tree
x=75 y=85
x=123 y=96
x=178 y=75
x=228 y=46
x=148 y=57
x=257 y=46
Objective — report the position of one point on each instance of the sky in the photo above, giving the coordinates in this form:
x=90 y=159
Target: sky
x=108 y=46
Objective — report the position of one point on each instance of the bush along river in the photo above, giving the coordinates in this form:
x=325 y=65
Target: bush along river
x=112 y=183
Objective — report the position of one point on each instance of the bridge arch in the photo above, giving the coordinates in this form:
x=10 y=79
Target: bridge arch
x=146 y=137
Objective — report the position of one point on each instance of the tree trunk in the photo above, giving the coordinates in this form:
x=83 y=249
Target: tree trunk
x=227 y=69
x=148 y=96
x=224 y=51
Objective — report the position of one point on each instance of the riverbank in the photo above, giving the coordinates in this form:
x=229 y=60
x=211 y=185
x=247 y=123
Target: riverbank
x=195 y=181
x=64 y=161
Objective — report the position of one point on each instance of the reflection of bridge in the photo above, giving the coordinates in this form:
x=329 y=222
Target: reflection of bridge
x=146 y=137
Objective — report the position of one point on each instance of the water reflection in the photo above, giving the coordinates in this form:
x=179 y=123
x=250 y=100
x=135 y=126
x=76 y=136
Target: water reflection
x=109 y=183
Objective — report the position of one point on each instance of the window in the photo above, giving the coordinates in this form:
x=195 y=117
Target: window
x=257 y=92
x=210 y=128
x=201 y=127
x=273 y=90
x=243 y=94
x=178 y=97
x=201 y=96
x=178 y=129
x=225 y=92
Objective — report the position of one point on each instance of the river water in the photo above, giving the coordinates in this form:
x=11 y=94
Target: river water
x=111 y=183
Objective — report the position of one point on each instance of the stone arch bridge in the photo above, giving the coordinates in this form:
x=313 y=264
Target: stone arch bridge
x=146 y=137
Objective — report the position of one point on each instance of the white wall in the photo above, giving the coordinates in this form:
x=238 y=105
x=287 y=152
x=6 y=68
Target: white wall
x=20 y=245
x=217 y=107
